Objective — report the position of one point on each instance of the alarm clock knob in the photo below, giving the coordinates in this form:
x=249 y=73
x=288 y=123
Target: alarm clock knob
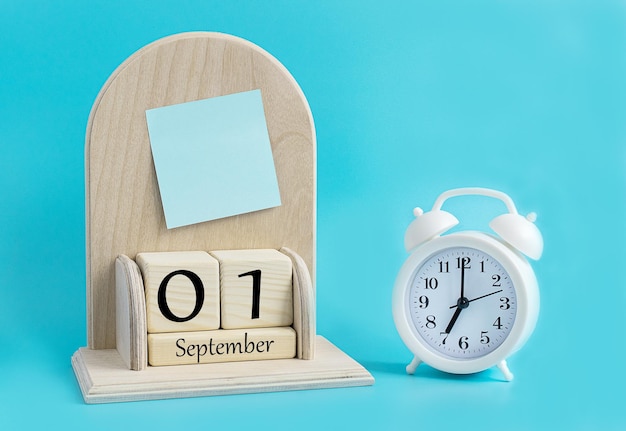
x=426 y=226
x=520 y=232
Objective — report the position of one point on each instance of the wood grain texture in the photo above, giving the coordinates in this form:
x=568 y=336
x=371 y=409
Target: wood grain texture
x=123 y=208
x=131 y=327
x=303 y=306
x=275 y=296
x=180 y=292
x=221 y=345
x=103 y=376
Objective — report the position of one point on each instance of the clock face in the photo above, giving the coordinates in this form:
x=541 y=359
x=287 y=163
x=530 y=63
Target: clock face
x=462 y=303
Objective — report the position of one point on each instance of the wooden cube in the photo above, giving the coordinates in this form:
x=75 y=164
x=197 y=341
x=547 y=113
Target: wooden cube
x=222 y=345
x=182 y=291
x=256 y=288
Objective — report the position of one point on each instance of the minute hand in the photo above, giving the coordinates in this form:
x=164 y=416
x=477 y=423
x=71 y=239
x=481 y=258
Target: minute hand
x=480 y=297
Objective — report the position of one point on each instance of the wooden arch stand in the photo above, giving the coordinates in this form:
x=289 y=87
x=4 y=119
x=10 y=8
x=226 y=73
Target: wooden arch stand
x=124 y=216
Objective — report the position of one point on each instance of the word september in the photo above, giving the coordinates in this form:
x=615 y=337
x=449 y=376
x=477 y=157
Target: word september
x=221 y=346
x=229 y=348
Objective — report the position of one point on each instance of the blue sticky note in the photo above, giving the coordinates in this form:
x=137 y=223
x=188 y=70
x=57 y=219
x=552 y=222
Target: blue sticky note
x=213 y=158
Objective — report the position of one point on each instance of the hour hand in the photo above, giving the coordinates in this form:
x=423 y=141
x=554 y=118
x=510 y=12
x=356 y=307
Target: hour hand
x=455 y=316
x=461 y=304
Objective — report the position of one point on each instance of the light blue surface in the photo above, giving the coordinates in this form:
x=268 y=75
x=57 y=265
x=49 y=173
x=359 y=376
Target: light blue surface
x=213 y=158
x=410 y=98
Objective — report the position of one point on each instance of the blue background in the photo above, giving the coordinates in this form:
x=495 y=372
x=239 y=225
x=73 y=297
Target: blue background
x=410 y=98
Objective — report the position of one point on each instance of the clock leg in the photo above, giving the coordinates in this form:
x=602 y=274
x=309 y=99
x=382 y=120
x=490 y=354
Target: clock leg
x=410 y=369
x=508 y=376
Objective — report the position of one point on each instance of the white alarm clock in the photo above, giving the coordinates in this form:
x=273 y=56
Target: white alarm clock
x=465 y=301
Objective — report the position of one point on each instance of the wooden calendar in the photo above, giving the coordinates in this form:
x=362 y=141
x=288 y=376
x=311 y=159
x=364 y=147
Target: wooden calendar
x=127 y=235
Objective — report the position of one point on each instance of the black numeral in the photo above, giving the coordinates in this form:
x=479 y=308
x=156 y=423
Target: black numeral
x=423 y=300
x=463 y=261
x=431 y=283
x=497 y=323
x=463 y=344
x=444 y=266
x=445 y=337
x=484 y=338
x=505 y=303
x=256 y=291
x=496 y=280
x=430 y=322
x=162 y=300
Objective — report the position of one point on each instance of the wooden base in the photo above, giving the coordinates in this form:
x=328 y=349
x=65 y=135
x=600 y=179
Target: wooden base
x=124 y=217
x=104 y=377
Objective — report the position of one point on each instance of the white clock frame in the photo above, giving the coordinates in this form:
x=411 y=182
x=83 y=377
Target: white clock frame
x=423 y=240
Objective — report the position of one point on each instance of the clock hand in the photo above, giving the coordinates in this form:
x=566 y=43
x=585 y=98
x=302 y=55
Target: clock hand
x=475 y=299
x=463 y=261
x=461 y=304
x=453 y=320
